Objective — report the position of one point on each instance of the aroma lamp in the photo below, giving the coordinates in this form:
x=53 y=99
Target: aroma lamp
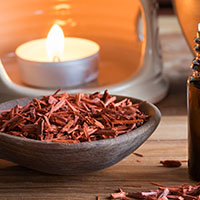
x=128 y=36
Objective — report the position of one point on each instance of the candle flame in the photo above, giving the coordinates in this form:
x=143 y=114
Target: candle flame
x=55 y=43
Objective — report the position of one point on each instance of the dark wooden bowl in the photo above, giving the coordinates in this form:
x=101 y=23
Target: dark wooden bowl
x=70 y=159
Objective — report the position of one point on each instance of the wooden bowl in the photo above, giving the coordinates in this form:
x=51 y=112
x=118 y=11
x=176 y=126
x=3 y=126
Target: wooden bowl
x=71 y=159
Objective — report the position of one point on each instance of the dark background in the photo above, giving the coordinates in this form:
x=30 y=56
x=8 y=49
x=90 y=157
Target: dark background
x=165 y=7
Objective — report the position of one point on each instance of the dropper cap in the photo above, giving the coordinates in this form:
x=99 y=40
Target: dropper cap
x=196 y=62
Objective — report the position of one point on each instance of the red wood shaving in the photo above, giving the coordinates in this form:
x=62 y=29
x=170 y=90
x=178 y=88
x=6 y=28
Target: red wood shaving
x=119 y=195
x=157 y=184
x=138 y=154
x=183 y=192
x=171 y=163
x=97 y=198
x=72 y=119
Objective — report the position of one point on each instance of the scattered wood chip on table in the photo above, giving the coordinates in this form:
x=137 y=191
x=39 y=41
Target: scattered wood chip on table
x=171 y=163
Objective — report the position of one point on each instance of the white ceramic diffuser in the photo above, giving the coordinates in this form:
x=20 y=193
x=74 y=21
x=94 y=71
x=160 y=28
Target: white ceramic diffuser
x=130 y=59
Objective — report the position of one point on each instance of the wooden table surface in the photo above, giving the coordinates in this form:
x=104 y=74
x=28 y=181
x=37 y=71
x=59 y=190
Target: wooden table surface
x=168 y=142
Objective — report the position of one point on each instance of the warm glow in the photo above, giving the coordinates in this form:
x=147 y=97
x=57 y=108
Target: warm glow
x=55 y=43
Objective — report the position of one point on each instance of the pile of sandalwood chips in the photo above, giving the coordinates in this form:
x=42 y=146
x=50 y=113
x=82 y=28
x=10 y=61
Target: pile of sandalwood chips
x=72 y=119
x=183 y=192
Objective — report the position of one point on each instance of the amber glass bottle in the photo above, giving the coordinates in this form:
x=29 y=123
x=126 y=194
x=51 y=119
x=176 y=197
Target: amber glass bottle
x=193 y=100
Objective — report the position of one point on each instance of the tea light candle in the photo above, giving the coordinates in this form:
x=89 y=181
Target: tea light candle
x=58 y=61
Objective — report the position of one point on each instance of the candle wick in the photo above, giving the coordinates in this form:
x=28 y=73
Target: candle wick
x=56 y=59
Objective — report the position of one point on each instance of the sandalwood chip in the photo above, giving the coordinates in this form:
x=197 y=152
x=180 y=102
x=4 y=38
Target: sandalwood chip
x=119 y=195
x=171 y=163
x=138 y=154
x=66 y=118
x=97 y=198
